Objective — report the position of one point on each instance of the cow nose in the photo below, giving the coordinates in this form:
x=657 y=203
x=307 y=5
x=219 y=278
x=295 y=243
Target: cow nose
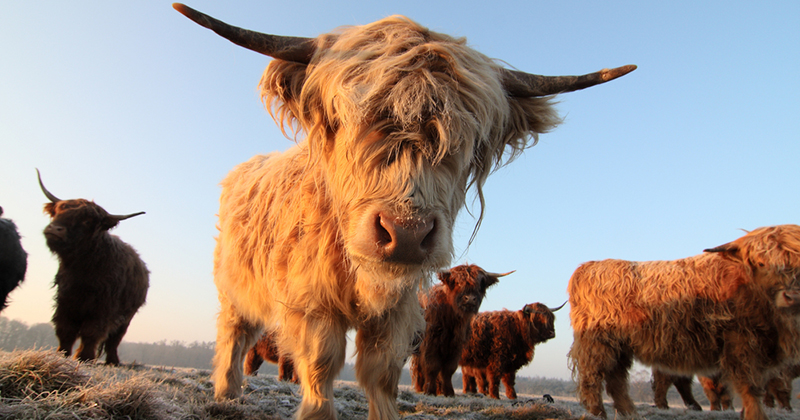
x=55 y=230
x=405 y=239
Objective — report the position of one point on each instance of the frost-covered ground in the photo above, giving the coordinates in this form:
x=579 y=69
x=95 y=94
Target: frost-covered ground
x=44 y=385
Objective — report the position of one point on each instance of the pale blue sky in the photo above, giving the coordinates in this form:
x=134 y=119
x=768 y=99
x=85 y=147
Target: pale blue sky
x=134 y=106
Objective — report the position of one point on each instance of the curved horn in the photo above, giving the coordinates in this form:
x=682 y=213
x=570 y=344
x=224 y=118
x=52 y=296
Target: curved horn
x=47 y=194
x=288 y=48
x=127 y=216
x=521 y=84
x=555 y=309
x=500 y=275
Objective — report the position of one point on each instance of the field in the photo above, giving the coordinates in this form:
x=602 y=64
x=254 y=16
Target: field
x=41 y=384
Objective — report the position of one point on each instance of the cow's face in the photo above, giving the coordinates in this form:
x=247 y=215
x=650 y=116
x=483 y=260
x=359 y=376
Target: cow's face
x=74 y=222
x=541 y=321
x=466 y=287
x=773 y=256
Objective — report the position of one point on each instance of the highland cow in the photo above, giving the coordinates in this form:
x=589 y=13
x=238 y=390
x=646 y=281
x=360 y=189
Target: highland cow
x=13 y=259
x=502 y=342
x=449 y=307
x=266 y=349
x=683 y=384
x=732 y=311
x=101 y=281
x=394 y=124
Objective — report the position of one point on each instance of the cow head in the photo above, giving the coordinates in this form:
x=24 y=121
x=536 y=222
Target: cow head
x=75 y=223
x=773 y=256
x=466 y=286
x=399 y=122
x=540 y=320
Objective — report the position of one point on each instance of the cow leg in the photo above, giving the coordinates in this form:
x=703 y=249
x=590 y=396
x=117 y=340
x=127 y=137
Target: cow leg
x=286 y=369
x=252 y=361
x=751 y=404
x=715 y=392
x=112 y=344
x=684 y=386
x=493 y=381
x=781 y=389
x=661 y=384
x=617 y=385
x=446 y=375
x=88 y=348
x=480 y=380
x=509 y=378
x=468 y=380
x=383 y=346
x=589 y=358
x=235 y=336
x=318 y=347
x=67 y=334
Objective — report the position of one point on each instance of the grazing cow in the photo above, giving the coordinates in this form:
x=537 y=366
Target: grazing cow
x=502 y=342
x=395 y=123
x=13 y=259
x=101 y=281
x=734 y=310
x=266 y=349
x=449 y=307
x=661 y=383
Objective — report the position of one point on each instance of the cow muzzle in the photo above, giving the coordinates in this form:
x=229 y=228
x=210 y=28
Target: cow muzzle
x=407 y=240
x=55 y=231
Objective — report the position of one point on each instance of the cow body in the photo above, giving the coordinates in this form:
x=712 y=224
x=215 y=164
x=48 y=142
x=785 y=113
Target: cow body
x=101 y=281
x=394 y=124
x=732 y=310
x=13 y=259
x=449 y=307
x=502 y=342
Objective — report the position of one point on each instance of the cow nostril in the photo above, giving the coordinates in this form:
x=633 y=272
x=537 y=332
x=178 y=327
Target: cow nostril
x=383 y=235
x=406 y=240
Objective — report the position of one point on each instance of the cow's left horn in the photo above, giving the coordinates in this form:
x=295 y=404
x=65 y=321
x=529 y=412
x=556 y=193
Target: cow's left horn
x=288 y=48
x=127 y=216
x=555 y=309
x=521 y=84
x=500 y=275
x=47 y=194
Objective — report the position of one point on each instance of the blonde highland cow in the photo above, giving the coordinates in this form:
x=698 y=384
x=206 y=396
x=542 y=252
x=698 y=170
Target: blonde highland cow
x=733 y=311
x=341 y=231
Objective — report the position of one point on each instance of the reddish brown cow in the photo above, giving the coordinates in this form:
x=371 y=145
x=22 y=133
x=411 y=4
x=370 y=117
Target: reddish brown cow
x=734 y=310
x=449 y=308
x=101 y=281
x=13 y=259
x=502 y=342
x=267 y=349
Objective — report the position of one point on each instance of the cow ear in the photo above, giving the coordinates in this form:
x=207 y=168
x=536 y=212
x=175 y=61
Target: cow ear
x=489 y=281
x=730 y=249
x=50 y=208
x=109 y=222
x=446 y=277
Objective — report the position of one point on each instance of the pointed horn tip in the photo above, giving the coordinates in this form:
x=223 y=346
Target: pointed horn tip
x=501 y=274
x=611 y=74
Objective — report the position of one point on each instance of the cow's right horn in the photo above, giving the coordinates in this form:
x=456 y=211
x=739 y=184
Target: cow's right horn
x=499 y=275
x=288 y=48
x=47 y=194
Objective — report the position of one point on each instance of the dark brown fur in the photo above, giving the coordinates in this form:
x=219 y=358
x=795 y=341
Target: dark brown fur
x=501 y=343
x=449 y=307
x=101 y=281
x=13 y=259
x=267 y=349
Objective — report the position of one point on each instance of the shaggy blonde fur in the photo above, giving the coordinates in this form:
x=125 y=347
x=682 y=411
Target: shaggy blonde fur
x=723 y=312
x=391 y=118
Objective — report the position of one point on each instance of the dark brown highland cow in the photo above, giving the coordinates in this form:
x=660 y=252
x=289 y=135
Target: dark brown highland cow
x=733 y=310
x=449 y=307
x=13 y=259
x=267 y=349
x=502 y=342
x=101 y=281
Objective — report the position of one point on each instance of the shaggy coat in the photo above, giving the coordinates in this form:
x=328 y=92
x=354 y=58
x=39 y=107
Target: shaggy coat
x=661 y=383
x=266 y=349
x=394 y=124
x=101 y=281
x=732 y=310
x=449 y=308
x=502 y=342
x=13 y=259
